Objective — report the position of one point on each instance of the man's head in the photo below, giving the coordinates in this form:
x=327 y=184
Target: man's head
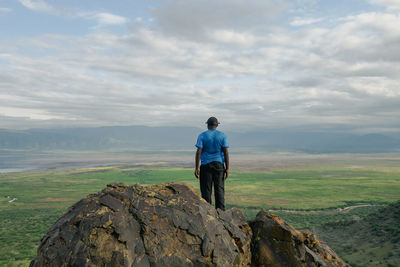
x=212 y=123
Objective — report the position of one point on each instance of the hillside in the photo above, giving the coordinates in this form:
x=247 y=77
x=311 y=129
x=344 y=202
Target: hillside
x=372 y=241
x=125 y=137
x=98 y=137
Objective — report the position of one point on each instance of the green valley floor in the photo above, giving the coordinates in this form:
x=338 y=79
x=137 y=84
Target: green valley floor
x=316 y=196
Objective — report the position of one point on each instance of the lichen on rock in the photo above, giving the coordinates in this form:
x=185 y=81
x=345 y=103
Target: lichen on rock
x=171 y=225
x=277 y=244
x=157 y=225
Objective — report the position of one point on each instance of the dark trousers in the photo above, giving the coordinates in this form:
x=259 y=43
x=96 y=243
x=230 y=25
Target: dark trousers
x=213 y=173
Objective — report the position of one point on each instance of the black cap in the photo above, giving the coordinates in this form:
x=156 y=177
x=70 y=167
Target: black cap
x=212 y=121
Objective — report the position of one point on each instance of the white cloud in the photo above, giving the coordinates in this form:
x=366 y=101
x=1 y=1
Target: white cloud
x=196 y=19
x=370 y=37
x=42 y=6
x=304 y=21
x=232 y=37
x=104 y=18
x=389 y=4
x=239 y=66
x=101 y=18
x=107 y=18
x=35 y=114
x=36 y=5
x=5 y=9
x=377 y=86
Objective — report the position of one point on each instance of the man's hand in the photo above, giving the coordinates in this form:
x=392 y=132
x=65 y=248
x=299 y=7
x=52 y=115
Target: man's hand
x=197 y=162
x=226 y=155
x=226 y=174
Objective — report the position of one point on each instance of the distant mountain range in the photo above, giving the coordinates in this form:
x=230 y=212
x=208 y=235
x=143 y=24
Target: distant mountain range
x=129 y=137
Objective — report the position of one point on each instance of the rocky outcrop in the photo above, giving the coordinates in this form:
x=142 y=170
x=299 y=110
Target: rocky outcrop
x=157 y=225
x=276 y=244
x=171 y=225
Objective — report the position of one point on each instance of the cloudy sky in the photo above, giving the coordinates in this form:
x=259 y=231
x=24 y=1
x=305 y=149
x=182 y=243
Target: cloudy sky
x=309 y=64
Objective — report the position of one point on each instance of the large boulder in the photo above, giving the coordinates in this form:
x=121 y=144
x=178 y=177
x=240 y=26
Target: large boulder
x=171 y=225
x=157 y=225
x=277 y=244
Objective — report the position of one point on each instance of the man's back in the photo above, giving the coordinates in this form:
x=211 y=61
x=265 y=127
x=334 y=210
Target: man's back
x=212 y=143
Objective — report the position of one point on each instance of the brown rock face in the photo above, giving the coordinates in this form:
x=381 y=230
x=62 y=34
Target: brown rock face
x=157 y=225
x=276 y=244
x=171 y=225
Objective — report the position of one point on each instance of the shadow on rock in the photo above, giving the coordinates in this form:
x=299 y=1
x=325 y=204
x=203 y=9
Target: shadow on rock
x=171 y=225
x=157 y=225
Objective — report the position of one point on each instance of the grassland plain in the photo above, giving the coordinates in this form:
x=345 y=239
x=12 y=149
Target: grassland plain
x=41 y=197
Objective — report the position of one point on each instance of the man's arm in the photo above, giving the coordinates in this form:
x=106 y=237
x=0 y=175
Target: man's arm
x=226 y=155
x=197 y=162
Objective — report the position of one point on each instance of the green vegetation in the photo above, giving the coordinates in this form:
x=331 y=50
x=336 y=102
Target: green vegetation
x=43 y=196
x=20 y=233
x=374 y=239
x=313 y=189
x=314 y=220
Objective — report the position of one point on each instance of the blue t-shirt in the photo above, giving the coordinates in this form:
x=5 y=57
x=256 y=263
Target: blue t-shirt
x=212 y=142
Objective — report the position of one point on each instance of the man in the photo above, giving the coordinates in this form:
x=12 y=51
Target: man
x=212 y=149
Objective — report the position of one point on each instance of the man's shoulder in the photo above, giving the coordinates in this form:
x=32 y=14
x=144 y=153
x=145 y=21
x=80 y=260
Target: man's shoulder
x=212 y=133
x=203 y=133
x=221 y=133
